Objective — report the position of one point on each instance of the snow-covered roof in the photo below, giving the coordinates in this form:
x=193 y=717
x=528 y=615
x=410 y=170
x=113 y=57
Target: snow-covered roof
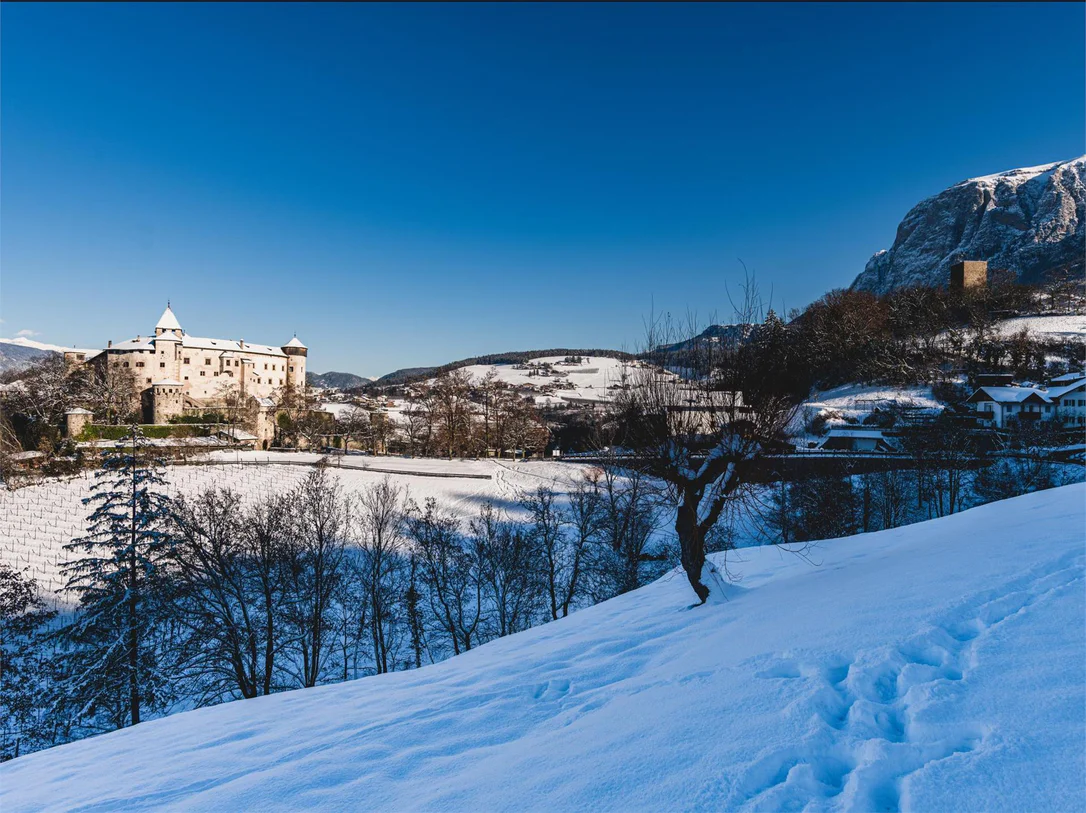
x=168 y=321
x=200 y=343
x=1056 y=392
x=236 y=434
x=138 y=343
x=295 y=343
x=843 y=432
x=1008 y=395
x=1066 y=378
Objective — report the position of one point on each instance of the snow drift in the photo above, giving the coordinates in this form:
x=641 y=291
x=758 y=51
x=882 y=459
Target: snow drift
x=939 y=666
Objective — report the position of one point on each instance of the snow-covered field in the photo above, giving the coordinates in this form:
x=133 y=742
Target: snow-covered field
x=935 y=667
x=37 y=521
x=1070 y=326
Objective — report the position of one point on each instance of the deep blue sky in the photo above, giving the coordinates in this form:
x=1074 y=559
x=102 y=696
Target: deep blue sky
x=407 y=185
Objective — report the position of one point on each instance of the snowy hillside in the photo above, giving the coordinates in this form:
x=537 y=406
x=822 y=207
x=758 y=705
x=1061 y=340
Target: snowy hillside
x=936 y=667
x=588 y=380
x=1030 y=221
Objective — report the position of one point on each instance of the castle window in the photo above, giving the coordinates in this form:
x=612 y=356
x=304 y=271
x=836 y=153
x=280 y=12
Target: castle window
x=292 y=369
x=265 y=366
x=202 y=372
x=139 y=363
x=186 y=378
x=126 y=364
x=207 y=361
x=216 y=372
x=162 y=364
x=186 y=360
x=148 y=381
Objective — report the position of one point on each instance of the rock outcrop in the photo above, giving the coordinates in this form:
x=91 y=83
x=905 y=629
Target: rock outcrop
x=1028 y=221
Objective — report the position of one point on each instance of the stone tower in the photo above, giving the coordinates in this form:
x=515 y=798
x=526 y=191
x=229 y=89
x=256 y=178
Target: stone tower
x=968 y=274
x=166 y=401
x=76 y=421
x=296 y=355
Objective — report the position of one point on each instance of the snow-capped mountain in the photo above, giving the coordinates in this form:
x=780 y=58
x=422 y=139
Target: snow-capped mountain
x=1029 y=221
x=21 y=352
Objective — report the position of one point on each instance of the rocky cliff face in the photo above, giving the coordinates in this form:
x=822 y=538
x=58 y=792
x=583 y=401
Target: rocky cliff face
x=1029 y=221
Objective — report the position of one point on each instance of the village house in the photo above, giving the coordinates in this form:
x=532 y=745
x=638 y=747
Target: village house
x=1063 y=401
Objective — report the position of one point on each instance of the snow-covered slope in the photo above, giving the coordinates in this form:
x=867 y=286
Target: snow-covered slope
x=588 y=380
x=1030 y=221
x=1066 y=326
x=936 y=667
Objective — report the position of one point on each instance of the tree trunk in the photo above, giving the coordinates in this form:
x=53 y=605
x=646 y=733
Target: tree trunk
x=133 y=610
x=692 y=546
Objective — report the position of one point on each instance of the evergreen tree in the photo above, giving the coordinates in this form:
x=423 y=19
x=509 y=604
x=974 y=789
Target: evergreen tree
x=22 y=617
x=112 y=668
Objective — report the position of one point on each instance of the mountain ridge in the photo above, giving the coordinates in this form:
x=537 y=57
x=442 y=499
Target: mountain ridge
x=1030 y=221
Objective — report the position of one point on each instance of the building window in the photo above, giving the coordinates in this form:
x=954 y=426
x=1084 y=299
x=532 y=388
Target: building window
x=148 y=381
x=292 y=368
x=139 y=363
x=162 y=364
x=202 y=372
x=216 y=372
x=186 y=359
x=126 y=364
x=186 y=378
x=265 y=366
x=207 y=361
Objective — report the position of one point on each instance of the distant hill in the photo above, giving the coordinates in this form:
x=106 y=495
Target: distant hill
x=15 y=357
x=333 y=380
x=1031 y=222
x=726 y=334
x=19 y=353
x=410 y=375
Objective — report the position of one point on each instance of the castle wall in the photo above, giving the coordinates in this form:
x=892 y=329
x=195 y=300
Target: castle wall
x=207 y=374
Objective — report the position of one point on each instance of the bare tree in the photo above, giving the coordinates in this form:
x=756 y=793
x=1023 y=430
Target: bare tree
x=380 y=518
x=504 y=550
x=453 y=410
x=314 y=561
x=701 y=429
x=451 y=572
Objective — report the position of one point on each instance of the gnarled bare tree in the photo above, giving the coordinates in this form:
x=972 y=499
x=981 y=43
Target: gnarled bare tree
x=700 y=410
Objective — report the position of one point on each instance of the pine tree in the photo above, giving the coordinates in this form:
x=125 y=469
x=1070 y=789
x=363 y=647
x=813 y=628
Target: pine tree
x=23 y=617
x=112 y=662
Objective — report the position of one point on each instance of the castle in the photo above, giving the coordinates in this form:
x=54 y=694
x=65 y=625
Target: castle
x=173 y=371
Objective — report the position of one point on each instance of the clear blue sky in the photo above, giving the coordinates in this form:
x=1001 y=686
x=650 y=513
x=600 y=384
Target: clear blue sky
x=407 y=185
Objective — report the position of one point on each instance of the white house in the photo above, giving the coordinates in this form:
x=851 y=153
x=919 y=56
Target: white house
x=999 y=407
